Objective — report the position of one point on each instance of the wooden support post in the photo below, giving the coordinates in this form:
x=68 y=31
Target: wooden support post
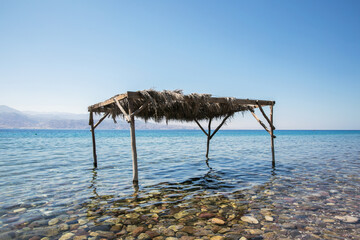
x=272 y=135
x=133 y=144
x=91 y=123
x=200 y=127
x=208 y=139
x=217 y=129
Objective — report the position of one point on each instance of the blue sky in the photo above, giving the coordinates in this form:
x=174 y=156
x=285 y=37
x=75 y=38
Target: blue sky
x=66 y=55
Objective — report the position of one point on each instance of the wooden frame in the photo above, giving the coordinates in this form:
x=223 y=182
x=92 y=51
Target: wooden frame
x=130 y=117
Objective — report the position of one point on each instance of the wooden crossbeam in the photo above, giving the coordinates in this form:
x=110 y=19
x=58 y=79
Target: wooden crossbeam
x=122 y=110
x=140 y=108
x=107 y=102
x=107 y=114
x=201 y=127
x=265 y=116
x=222 y=123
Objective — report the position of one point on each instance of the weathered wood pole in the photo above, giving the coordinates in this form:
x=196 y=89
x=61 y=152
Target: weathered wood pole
x=91 y=122
x=272 y=135
x=133 y=144
x=208 y=139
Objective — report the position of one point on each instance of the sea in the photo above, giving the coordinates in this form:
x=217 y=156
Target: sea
x=49 y=188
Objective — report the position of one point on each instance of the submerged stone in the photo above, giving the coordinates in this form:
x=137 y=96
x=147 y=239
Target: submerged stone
x=19 y=210
x=217 y=221
x=138 y=230
x=143 y=236
x=82 y=221
x=254 y=231
x=181 y=214
x=81 y=237
x=53 y=221
x=347 y=219
x=66 y=236
x=206 y=215
x=188 y=229
x=217 y=238
x=176 y=228
x=249 y=219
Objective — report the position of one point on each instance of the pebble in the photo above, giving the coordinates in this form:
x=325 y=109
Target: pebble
x=217 y=238
x=53 y=221
x=132 y=215
x=19 y=210
x=138 y=230
x=224 y=230
x=187 y=238
x=249 y=219
x=51 y=231
x=269 y=236
x=105 y=234
x=269 y=192
x=152 y=234
x=143 y=236
x=82 y=221
x=66 y=236
x=217 y=221
x=206 y=215
x=188 y=229
x=347 y=219
x=81 y=237
x=131 y=228
x=269 y=218
x=254 y=231
x=176 y=228
x=181 y=214
x=289 y=226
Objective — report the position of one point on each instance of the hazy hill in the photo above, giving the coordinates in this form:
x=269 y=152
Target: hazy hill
x=11 y=118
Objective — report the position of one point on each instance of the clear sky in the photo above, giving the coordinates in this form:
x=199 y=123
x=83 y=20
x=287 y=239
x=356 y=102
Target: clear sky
x=65 y=55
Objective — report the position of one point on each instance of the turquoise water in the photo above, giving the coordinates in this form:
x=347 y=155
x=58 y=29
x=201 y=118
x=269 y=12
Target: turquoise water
x=48 y=173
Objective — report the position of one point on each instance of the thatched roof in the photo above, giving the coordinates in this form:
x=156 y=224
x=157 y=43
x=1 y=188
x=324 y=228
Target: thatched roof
x=174 y=105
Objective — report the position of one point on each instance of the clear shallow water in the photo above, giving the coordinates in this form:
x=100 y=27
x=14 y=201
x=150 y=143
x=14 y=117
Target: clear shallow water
x=48 y=174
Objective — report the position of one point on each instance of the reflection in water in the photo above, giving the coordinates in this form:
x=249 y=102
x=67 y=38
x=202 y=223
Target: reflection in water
x=207 y=163
x=273 y=171
x=93 y=182
x=211 y=184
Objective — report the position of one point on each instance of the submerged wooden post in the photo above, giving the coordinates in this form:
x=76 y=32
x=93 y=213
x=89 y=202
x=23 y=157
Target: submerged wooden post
x=91 y=123
x=133 y=144
x=272 y=135
x=208 y=139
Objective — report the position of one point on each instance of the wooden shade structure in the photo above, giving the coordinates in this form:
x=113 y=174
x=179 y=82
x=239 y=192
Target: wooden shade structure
x=174 y=105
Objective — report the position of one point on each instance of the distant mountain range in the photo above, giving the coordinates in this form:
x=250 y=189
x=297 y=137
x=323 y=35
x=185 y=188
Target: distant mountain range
x=11 y=118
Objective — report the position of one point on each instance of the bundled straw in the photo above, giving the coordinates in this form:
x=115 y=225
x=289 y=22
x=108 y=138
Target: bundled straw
x=174 y=105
